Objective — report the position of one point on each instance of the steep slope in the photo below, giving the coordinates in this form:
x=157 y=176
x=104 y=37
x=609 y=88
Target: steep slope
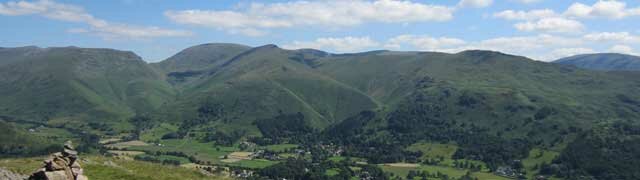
x=262 y=83
x=11 y=55
x=64 y=85
x=190 y=63
x=511 y=96
x=603 y=61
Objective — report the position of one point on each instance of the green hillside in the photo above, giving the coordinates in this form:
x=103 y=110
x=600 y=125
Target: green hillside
x=490 y=89
x=494 y=108
x=78 y=85
x=603 y=61
x=262 y=83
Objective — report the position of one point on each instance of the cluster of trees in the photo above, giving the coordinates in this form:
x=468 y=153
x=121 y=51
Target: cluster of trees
x=222 y=138
x=209 y=111
x=420 y=175
x=422 y=119
x=100 y=126
x=14 y=150
x=155 y=159
x=141 y=123
x=285 y=127
x=302 y=169
x=467 y=165
x=608 y=152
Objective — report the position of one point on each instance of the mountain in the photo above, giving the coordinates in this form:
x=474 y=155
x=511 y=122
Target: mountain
x=603 y=61
x=201 y=56
x=493 y=107
x=193 y=61
x=263 y=82
x=78 y=85
x=510 y=95
x=227 y=85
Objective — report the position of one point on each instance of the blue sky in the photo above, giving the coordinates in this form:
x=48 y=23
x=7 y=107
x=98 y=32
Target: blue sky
x=156 y=29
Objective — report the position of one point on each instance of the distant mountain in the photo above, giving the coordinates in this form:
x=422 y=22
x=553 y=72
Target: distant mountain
x=228 y=85
x=494 y=106
x=603 y=61
x=66 y=85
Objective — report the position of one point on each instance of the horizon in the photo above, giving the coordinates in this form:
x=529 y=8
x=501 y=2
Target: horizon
x=539 y=29
x=333 y=53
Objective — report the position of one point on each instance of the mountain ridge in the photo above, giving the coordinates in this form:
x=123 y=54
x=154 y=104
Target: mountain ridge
x=603 y=61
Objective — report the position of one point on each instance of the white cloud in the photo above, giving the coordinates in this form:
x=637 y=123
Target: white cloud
x=546 y=20
x=525 y=15
x=70 y=13
x=345 y=44
x=527 y=1
x=260 y=17
x=544 y=47
x=424 y=43
x=601 y=9
x=619 y=37
x=624 y=49
x=566 y=52
x=555 y=24
x=475 y=3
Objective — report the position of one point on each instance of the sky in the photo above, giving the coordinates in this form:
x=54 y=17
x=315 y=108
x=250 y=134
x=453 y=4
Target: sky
x=543 y=30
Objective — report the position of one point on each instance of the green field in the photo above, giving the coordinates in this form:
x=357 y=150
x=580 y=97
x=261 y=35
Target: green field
x=280 y=147
x=161 y=158
x=436 y=150
x=157 y=132
x=202 y=151
x=253 y=164
x=207 y=152
x=536 y=158
x=332 y=172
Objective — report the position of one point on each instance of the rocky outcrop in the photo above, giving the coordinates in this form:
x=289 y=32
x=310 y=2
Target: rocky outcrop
x=61 y=166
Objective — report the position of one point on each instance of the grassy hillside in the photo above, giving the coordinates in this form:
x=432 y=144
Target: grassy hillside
x=262 y=83
x=493 y=109
x=509 y=94
x=194 y=62
x=76 y=85
x=603 y=61
x=99 y=167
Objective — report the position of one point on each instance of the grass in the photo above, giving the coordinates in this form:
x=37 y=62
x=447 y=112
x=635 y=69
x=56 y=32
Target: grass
x=202 y=151
x=538 y=156
x=280 y=147
x=182 y=160
x=105 y=168
x=332 y=172
x=341 y=158
x=22 y=165
x=254 y=164
x=205 y=152
x=450 y=171
x=122 y=169
x=435 y=150
x=157 y=132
